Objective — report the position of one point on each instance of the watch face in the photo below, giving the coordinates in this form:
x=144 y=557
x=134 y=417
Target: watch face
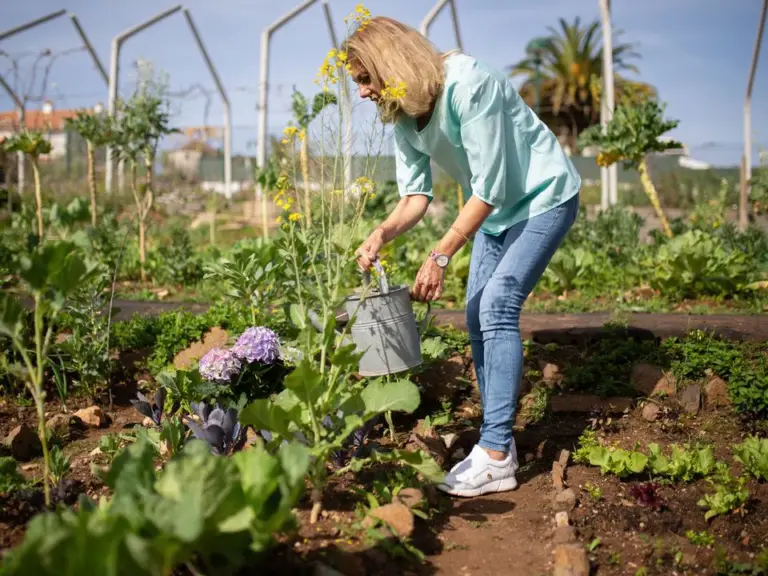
x=442 y=260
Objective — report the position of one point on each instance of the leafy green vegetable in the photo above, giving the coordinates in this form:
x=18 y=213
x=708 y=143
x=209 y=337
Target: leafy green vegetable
x=753 y=455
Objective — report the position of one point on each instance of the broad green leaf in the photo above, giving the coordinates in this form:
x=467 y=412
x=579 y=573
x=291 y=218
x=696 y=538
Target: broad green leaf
x=238 y=522
x=294 y=459
x=400 y=395
x=297 y=317
x=306 y=382
x=11 y=316
x=637 y=462
x=264 y=414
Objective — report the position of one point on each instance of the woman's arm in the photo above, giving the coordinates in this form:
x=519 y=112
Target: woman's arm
x=408 y=212
x=468 y=222
x=429 y=281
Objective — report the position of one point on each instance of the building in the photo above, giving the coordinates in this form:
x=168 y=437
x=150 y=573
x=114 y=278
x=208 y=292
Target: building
x=49 y=121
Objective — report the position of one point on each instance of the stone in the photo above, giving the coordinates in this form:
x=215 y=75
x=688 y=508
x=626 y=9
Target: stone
x=433 y=446
x=690 y=399
x=565 y=501
x=645 y=376
x=23 y=443
x=558 y=476
x=561 y=519
x=411 y=497
x=716 y=393
x=666 y=385
x=215 y=338
x=62 y=424
x=449 y=440
x=325 y=570
x=93 y=417
x=396 y=515
x=565 y=455
x=589 y=402
x=571 y=560
x=564 y=535
x=148 y=422
x=550 y=373
x=651 y=412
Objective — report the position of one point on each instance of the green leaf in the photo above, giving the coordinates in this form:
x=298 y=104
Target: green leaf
x=297 y=317
x=294 y=459
x=264 y=414
x=400 y=395
x=11 y=316
x=306 y=382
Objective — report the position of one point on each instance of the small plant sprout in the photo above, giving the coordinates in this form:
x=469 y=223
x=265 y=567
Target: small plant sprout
x=634 y=132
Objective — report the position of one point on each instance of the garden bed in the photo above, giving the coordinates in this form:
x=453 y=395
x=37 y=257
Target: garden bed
x=513 y=531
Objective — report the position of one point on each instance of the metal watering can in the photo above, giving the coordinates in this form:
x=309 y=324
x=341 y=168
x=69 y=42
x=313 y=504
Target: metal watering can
x=385 y=329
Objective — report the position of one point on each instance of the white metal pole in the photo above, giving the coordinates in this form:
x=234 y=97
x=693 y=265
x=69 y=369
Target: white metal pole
x=347 y=102
x=224 y=102
x=431 y=15
x=743 y=221
x=266 y=35
x=114 y=72
x=608 y=97
x=20 y=110
x=434 y=13
x=31 y=24
x=456 y=30
x=89 y=47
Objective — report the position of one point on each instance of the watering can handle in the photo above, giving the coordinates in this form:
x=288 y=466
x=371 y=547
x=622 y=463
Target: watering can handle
x=382 y=281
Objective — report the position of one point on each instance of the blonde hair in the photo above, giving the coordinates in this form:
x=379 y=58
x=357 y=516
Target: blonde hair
x=393 y=53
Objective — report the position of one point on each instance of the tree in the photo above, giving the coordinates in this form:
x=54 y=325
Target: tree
x=304 y=117
x=34 y=145
x=632 y=134
x=571 y=68
x=96 y=130
x=143 y=121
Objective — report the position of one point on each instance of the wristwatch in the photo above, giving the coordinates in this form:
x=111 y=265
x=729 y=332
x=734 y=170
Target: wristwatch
x=440 y=259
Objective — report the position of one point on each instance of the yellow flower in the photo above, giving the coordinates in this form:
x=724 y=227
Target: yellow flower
x=290 y=133
x=393 y=90
x=279 y=219
x=294 y=217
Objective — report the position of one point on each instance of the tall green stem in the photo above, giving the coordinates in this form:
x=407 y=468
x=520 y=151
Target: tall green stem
x=38 y=395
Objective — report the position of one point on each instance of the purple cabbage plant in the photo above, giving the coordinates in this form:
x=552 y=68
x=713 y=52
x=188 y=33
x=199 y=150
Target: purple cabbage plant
x=153 y=408
x=257 y=344
x=218 y=427
x=220 y=365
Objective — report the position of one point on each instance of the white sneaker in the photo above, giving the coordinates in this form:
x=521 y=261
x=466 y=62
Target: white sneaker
x=480 y=474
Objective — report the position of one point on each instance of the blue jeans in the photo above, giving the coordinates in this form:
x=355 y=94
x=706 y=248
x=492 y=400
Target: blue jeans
x=503 y=272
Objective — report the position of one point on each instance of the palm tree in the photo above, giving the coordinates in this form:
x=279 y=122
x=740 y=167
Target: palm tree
x=570 y=77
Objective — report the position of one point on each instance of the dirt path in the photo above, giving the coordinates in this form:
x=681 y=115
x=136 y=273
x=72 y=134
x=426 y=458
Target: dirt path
x=544 y=328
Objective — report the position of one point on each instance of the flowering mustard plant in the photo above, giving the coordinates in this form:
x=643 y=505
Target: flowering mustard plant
x=220 y=365
x=393 y=90
x=257 y=344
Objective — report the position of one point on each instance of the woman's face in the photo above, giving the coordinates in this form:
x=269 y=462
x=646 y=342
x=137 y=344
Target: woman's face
x=364 y=85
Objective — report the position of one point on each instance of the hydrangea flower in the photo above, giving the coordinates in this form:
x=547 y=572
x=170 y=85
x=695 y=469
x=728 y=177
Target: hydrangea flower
x=290 y=355
x=257 y=344
x=219 y=365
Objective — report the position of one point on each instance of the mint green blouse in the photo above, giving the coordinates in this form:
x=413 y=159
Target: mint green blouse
x=485 y=137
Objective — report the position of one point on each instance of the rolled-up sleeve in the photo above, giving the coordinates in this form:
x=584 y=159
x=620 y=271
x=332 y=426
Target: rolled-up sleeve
x=479 y=107
x=412 y=167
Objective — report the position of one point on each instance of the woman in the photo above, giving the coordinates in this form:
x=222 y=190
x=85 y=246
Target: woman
x=521 y=195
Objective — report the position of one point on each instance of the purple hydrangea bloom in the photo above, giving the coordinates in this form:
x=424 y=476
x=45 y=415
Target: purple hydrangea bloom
x=219 y=365
x=257 y=344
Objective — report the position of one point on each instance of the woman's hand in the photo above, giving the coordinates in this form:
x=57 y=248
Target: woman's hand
x=429 y=282
x=369 y=250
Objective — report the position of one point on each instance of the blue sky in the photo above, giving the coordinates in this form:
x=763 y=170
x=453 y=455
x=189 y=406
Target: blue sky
x=696 y=53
